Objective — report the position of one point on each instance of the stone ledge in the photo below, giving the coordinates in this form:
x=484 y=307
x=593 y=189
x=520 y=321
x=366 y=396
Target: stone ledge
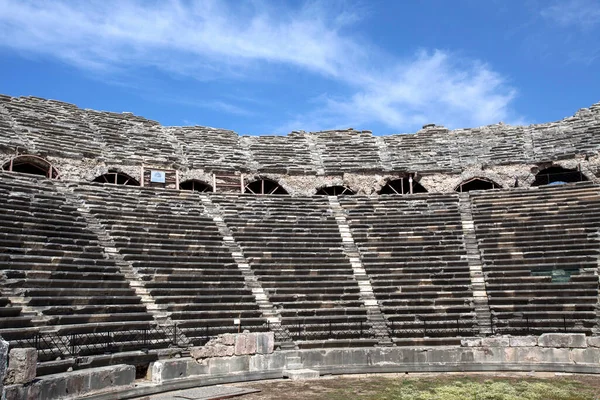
x=75 y=384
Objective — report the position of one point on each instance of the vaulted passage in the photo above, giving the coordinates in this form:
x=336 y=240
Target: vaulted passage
x=264 y=186
x=402 y=186
x=335 y=191
x=29 y=164
x=195 y=185
x=117 y=178
x=477 y=184
x=557 y=175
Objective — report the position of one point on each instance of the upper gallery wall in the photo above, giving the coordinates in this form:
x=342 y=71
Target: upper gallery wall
x=83 y=144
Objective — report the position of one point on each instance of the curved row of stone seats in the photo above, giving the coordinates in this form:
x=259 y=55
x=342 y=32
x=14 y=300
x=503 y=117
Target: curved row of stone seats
x=211 y=149
x=56 y=265
x=540 y=253
x=175 y=247
x=47 y=129
x=347 y=150
x=13 y=323
x=289 y=154
x=294 y=247
x=441 y=154
x=127 y=137
x=412 y=249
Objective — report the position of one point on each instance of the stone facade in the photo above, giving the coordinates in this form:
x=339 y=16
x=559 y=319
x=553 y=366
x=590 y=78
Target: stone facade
x=83 y=144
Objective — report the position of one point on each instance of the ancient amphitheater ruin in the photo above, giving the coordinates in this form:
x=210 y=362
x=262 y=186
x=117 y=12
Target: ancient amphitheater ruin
x=138 y=258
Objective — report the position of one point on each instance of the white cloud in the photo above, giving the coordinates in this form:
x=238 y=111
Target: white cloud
x=215 y=40
x=583 y=14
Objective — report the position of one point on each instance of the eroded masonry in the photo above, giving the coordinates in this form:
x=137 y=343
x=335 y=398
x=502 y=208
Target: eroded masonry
x=61 y=140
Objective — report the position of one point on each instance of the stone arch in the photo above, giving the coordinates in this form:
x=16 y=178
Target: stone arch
x=476 y=183
x=402 y=186
x=556 y=174
x=264 y=186
x=337 y=190
x=30 y=164
x=195 y=185
x=116 y=178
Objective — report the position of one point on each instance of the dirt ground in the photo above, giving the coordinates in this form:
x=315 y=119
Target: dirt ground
x=366 y=385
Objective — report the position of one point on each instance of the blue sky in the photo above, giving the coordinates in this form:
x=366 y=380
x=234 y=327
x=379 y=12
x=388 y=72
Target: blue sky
x=270 y=67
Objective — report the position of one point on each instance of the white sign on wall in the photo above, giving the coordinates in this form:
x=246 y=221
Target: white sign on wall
x=157 y=176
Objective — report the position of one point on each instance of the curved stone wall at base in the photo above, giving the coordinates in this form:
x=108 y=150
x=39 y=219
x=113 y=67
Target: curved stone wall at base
x=574 y=353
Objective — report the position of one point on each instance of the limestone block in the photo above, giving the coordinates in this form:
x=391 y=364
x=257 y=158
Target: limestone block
x=245 y=344
x=301 y=374
x=166 y=370
x=562 y=340
x=586 y=356
x=251 y=343
x=488 y=354
x=228 y=339
x=593 y=341
x=22 y=364
x=227 y=365
x=443 y=356
x=471 y=342
x=211 y=350
x=495 y=341
x=536 y=355
x=265 y=342
x=3 y=362
x=523 y=341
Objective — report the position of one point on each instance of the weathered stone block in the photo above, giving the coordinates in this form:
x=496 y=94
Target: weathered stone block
x=443 y=356
x=593 y=341
x=536 y=355
x=228 y=339
x=488 y=354
x=3 y=362
x=471 y=342
x=562 y=340
x=251 y=343
x=245 y=344
x=265 y=343
x=212 y=350
x=523 y=341
x=22 y=364
x=166 y=370
x=586 y=356
x=495 y=341
x=197 y=367
x=227 y=365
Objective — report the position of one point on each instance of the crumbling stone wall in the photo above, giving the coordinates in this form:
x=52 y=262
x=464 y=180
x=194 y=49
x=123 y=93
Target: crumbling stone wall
x=89 y=143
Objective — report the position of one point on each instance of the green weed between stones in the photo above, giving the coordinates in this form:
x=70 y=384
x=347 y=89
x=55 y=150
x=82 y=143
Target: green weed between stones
x=465 y=389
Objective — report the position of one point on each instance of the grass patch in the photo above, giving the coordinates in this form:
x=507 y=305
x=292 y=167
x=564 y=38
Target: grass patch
x=464 y=388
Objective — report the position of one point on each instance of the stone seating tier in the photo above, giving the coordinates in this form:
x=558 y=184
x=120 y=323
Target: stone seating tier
x=264 y=229
x=540 y=256
x=177 y=250
x=413 y=252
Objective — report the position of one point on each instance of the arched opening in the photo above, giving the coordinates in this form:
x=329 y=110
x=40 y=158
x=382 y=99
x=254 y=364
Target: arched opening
x=335 y=191
x=195 y=186
x=402 y=186
x=477 y=184
x=117 y=178
x=264 y=186
x=29 y=164
x=557 y=175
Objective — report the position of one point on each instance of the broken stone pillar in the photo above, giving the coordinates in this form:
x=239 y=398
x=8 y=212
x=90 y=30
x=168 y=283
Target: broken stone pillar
x=22 y=364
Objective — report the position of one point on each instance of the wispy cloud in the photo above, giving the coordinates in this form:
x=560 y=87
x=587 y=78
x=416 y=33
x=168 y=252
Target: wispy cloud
x=582 y=14
x=212 y=40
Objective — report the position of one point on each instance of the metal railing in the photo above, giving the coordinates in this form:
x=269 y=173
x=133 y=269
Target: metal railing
x=537 y=326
